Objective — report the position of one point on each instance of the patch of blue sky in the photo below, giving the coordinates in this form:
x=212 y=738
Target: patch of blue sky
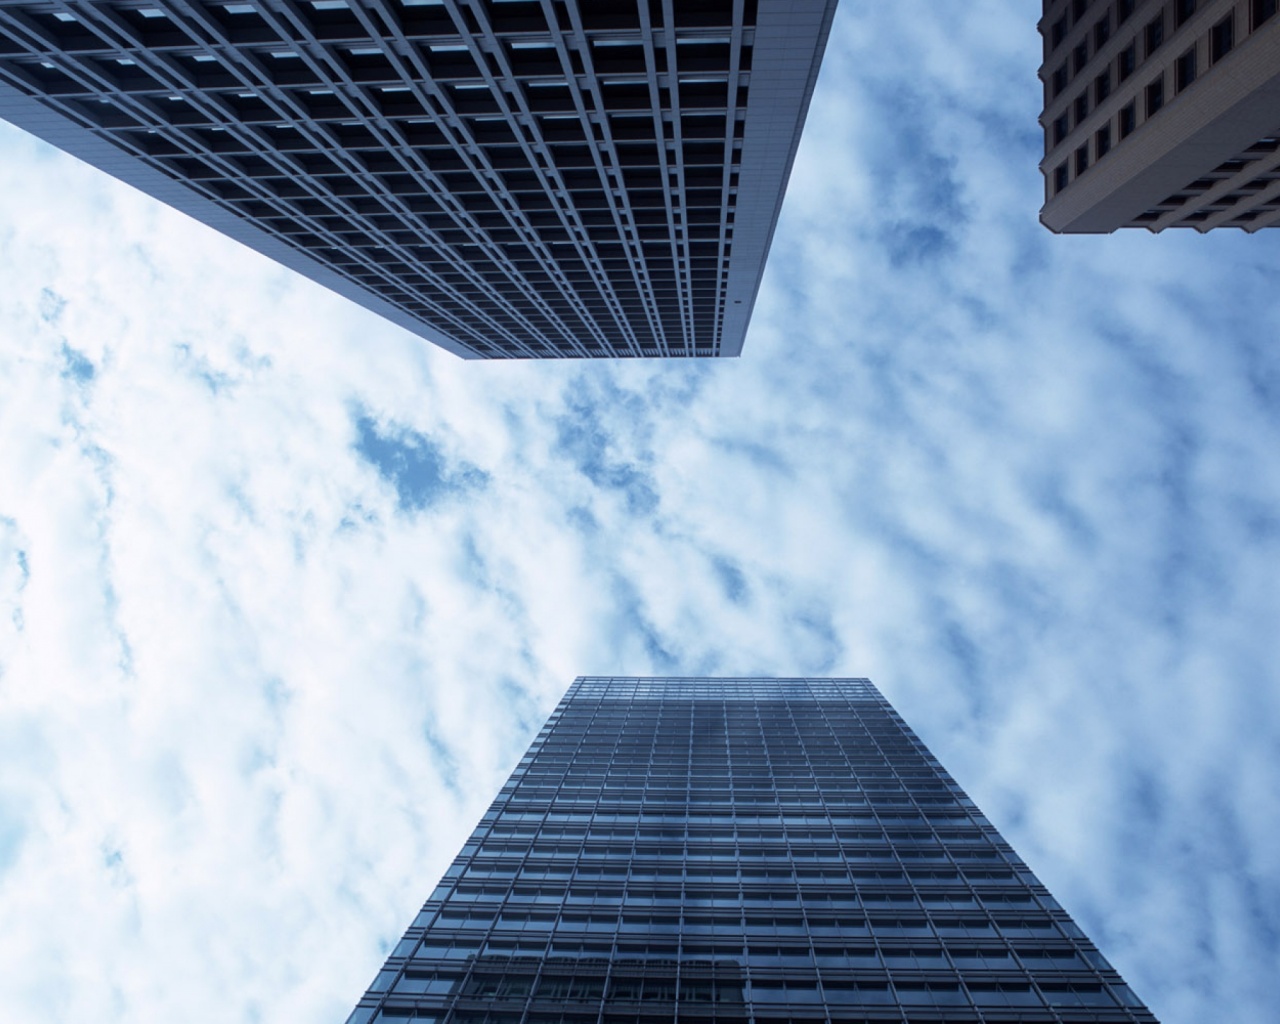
x=732 y=580
x=633 y=623
x=583 y=439
x=966 y=664
x=443 y=757
x=414 y=464
x=51 y=306
x=527 y=712
x=917 y=244
x=77 y=367
x=1048 y=490
x=760 y=454
x=218 y=382
x=582 y=519
x=807 y=626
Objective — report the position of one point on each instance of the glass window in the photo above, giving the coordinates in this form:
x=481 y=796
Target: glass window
x=788 y=991
x=930 y=994
x=1128 y=119
x=1101 y=87
x=1222 y=38
x=1185 y=69
x=1155 y=33
x=1003 y=994
x=1059 y=81
x=865 y=993
x=1155 y=96
x=1128 y=61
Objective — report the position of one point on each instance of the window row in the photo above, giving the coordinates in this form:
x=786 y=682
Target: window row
x=553 y=985
x=1220 y=40
x=1150 y=100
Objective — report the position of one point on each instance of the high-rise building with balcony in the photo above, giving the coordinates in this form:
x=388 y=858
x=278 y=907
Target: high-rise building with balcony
x=734 y=851
x=506 y=178
x=1161 y=113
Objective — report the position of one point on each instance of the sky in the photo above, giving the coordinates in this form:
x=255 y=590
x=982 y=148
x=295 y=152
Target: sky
x=285 y=592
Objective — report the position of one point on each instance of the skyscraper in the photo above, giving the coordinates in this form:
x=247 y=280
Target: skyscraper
x=506 y=178
x=739 y=850
x=1161 y=113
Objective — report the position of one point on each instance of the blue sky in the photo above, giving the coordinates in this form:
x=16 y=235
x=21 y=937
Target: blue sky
x=284 y=592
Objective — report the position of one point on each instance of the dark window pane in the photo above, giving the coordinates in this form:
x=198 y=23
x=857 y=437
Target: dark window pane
x=1222 y=38
x=1185 y=69
x=1155 y=34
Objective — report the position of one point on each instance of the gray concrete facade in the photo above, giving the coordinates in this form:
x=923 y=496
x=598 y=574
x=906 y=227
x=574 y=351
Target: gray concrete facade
x=1161 y=113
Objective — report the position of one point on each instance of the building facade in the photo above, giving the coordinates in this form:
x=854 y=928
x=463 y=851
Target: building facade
x=1161 y=113
x=739 y=850
x=506 y=178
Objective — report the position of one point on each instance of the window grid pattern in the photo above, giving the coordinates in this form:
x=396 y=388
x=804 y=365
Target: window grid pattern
x=1112 y=65
x=739 y=850
x=530 y=178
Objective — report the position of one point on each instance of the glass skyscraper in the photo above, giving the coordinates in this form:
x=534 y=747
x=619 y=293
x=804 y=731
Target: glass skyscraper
x=739 y=850
x=506 y=178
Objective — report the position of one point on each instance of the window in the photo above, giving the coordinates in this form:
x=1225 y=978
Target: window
x=1124 y=11
x=1059 y=177
x=1059 y=81
x=1078 y=8
x=1222 y=38
x=1059 y=31
x=930 y=993
x=1155 y=33
x=1155 y=96
x=1003 y=994
x=1102 y=31
x=419 y=983
x=1079 y=994
x=784 y=991
x=1102 y=141
x=1082 y=107
x=1182 y=10
x=1185 y=69
x=1079 y=57
x=1263 y=10
x=1128 y=61
x=1082 y=160
x=1128 y=119
x=1060 y=128
x=1101 y=87
x=861 y=993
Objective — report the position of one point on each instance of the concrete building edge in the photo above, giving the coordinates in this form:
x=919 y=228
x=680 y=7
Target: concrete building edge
x=815 y=68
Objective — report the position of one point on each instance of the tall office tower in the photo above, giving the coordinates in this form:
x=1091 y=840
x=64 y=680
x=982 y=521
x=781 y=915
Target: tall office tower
x=506 y=178
x=1161 y=113
x=735 y=851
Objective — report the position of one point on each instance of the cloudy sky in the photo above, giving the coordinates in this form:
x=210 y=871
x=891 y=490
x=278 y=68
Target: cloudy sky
x=284 y=593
